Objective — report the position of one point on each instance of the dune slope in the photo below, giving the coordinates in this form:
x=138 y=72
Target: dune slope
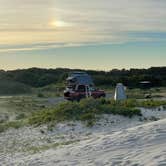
x=141 y=145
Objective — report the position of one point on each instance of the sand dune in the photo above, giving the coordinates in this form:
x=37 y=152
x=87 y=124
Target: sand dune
x=137 y=143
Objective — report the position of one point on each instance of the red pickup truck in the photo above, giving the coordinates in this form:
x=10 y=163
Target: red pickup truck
x=82 y=91
x=80 y=85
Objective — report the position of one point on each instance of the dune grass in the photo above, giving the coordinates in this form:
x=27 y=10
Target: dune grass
x=144 y=103
x=152 y=103
x=87 y=111
x=12 y=124
x=36 y=149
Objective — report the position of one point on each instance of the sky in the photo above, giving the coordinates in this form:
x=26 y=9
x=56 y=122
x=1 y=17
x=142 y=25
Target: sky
x=95 y=34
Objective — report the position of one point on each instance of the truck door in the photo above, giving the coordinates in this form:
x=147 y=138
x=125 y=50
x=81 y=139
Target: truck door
x=82 y=91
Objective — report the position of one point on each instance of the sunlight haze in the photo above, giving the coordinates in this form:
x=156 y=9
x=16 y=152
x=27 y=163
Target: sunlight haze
x=82 y=34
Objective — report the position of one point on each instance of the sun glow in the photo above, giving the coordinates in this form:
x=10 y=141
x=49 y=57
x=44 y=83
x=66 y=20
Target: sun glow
x=59 y=23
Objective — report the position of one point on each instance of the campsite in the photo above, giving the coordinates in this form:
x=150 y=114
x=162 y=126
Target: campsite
x=43 y=128
x=82 y=82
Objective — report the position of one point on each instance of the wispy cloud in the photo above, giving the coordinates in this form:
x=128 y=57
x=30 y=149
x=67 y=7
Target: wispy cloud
x=32 y=47
x=42 y=46
x=93 y=21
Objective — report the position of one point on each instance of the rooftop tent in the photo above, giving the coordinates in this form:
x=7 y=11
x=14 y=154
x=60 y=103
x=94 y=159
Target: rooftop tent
x=79 y=78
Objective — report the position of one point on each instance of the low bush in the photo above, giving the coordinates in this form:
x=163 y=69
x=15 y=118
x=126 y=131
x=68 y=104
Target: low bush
x=12 y=124
x=8 y=87
x=151 y=103
x=41 y=95
x=85 y=110
x=20 y=116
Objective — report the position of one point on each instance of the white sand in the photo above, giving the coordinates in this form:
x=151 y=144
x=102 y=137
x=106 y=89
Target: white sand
x=115 y=140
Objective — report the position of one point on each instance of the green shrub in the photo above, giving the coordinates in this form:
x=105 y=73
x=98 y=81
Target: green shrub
x=20 y=116
x=41 y=95
x=8 y=87
x=151 y=103
x=12 y=124
x=85 y=110
x=87 y=116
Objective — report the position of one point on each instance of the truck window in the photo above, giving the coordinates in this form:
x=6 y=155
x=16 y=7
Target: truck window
x=81 y=88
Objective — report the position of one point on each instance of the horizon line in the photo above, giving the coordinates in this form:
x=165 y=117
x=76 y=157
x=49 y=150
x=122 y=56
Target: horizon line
x=88 y=69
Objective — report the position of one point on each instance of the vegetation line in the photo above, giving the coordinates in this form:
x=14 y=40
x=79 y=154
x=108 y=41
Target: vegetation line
x=87 y=111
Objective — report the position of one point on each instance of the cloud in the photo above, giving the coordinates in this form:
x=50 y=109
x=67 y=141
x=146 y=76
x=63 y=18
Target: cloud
x=93 y=21
x=40 y=46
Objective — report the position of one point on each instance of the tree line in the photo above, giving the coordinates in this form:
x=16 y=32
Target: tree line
x=36 y=77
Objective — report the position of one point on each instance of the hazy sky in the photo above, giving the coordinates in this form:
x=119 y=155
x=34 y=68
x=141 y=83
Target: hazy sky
x=91 y=34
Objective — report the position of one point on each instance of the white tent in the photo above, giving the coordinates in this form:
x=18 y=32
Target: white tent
x=120 y=92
